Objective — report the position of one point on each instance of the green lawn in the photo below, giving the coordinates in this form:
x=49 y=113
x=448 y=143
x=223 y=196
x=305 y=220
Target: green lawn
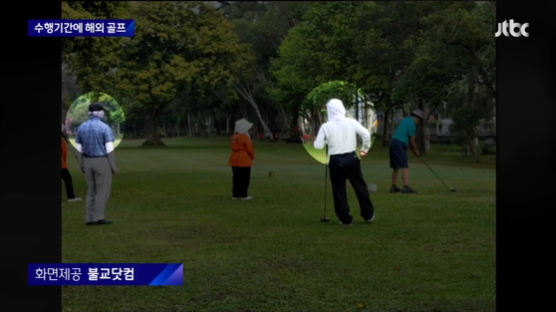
x=431 y=251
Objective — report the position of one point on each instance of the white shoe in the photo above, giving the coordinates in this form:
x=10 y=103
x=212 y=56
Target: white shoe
x=246 y=198
x=74 y=199
x=371 y=219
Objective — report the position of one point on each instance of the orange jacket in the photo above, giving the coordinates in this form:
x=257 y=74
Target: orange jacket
x=242 y=151
x=64 y=154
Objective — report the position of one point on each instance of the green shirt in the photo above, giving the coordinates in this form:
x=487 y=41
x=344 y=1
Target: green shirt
x=405 y=130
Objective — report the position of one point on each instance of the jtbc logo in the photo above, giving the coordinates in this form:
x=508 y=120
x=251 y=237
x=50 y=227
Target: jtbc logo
x=515 y=29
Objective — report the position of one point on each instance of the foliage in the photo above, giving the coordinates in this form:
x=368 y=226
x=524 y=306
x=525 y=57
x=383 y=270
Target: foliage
x=332 y=89
x=459 y=69
x=389 y=49
x=315 y=51
x=178 y=46
x=91 y=58
x=79 y=112
x=229 y=59
x=263 y=25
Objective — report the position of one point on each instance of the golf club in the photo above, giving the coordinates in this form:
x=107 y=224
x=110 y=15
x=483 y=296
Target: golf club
x=324 y=219
x=76 y=157
x=451 y=189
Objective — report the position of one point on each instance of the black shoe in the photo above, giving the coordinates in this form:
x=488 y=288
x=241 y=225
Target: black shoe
x=99 y=222
x=408 y=190
x=395 y=189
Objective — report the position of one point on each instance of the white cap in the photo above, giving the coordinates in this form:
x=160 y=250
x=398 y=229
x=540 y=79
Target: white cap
x=242 y=126
x=419 y=113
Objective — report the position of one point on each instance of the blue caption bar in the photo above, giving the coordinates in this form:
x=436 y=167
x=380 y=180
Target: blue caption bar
x=116 y=274
x=80 y=28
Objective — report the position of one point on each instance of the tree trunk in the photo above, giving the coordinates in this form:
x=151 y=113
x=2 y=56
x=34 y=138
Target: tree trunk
x=471 y=148
x=422 y=137
x=198 y=129
x=267 y=132
x=245 y=92
x=208 y=126
x=294 y=130
x=150 y=127
x=426 y=130
x=473 y=140
x=285 y=119
x=217 y=124
x=189 y=123
x=385 y=127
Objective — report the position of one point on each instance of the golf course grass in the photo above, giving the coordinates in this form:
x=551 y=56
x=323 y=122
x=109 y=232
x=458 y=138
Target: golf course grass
x=431 y=251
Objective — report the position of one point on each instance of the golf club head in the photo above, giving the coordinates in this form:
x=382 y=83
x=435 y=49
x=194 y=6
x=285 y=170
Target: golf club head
x=453 y=190
x=324 y=220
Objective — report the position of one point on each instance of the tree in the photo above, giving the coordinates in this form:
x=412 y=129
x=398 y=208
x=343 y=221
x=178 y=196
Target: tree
x=468 y=106
x=263 y=25
x=466 y=28
x=180 y=45
x=455 y=49
x=359 y=42
x=425 y=84
x=382 y=50
x=317 y=50
x=312 y=107
x=468 y=32
x=88 y=58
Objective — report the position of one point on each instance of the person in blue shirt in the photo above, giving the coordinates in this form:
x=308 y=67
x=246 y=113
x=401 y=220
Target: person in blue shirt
x=95 y=142
x=404 y=136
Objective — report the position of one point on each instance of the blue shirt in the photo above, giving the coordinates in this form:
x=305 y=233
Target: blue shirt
x=93 y=135
x=405 y=130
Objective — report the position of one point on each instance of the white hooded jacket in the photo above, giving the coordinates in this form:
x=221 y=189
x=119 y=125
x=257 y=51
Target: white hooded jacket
x=340 y=132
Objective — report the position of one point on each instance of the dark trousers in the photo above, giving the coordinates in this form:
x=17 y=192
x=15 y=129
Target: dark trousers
x=240 y=182
x=66 y=176
x=398 y=155
x=347 y=167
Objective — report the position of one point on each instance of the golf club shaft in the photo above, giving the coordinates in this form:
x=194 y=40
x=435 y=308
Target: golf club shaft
x=434 y=173
x=73 y=152
x=325 y=182
x=76 y=158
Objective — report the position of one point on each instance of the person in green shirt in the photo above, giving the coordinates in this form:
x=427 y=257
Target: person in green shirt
x=404 y=136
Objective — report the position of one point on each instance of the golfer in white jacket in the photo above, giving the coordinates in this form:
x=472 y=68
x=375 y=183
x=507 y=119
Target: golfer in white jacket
x=340 y=133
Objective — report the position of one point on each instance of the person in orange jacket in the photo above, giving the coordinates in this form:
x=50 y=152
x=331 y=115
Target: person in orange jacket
x=66 y=176
x=241 y=158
